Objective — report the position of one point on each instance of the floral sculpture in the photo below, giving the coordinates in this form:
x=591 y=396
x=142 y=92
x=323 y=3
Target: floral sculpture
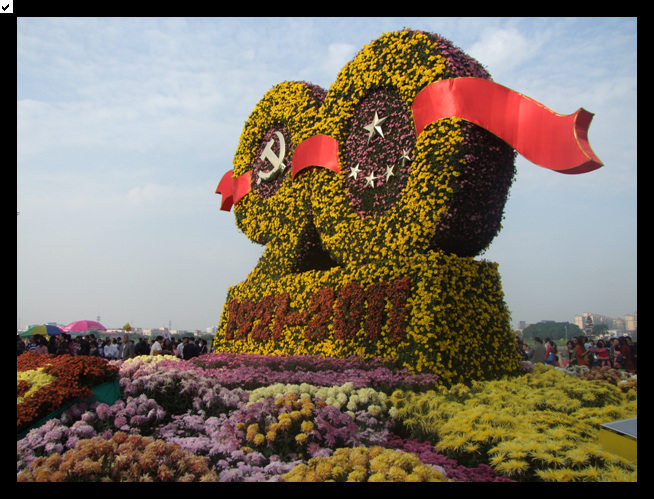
x=371 y=221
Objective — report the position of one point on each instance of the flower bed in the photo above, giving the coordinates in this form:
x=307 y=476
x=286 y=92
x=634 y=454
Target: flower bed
x=46 y=382
x=539 y=426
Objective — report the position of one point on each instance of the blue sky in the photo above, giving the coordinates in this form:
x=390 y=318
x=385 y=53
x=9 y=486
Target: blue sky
x=125 y=126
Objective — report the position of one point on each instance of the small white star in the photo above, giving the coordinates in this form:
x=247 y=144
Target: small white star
x=389 y=172
x=354 y=171
x=405 y=156
x=370 y=180
x=375 y=126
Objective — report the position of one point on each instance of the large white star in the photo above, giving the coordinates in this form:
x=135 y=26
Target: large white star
x=354 y=171
x=375 y=126
x=370 y=180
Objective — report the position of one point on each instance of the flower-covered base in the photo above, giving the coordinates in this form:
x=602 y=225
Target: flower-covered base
x=431 y=312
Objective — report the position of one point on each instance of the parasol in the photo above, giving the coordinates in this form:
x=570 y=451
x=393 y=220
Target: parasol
x=84 y=326
x=43 y=330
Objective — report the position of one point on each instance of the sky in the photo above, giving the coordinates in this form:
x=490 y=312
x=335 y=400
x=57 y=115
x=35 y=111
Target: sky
x=125 y=127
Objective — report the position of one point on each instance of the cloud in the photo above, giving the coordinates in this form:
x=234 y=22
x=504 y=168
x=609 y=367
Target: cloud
x=502 y=49
x=337 y=55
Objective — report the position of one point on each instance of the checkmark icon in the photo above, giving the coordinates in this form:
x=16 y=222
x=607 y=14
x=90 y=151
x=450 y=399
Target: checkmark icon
x=5 y=7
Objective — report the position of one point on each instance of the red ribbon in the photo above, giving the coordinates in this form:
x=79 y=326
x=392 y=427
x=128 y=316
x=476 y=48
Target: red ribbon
x=233 y=189
x=554 y=141
x=319 y=150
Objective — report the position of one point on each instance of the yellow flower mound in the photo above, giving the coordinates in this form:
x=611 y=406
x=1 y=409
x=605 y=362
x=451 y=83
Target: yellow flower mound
x=455 y=324
x=540 y=426
x=365 y=464
x=35 y=379
x=400 y=281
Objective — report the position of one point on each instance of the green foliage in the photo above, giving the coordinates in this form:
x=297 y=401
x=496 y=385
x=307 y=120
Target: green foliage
x=552 y=330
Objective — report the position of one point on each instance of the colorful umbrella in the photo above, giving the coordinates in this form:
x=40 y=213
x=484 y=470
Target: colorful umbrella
x=83 y=326
x=43 y=330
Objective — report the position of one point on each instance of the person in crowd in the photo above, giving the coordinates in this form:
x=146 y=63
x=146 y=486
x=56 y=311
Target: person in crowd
x=601 y=353
x=589 y=345
x=203 y=346
x=101 y=344
x=142 y=348
x=190 y=349
x=155 y=349
x=52 y=344
x=627 y=363
x=128 y=349
x=111 y=349
x=580 y=351
x=179 y=349
x=633 y=345
x=82 y=345
x=94 y=349
x=42 y=346
x=551 y=353
x=614 y=351
x=71 y=346
x=537 y=352
x=20 y=345
x=521 y=349
x=63 y=348
x=166 y=347
x=119 y=346
x=33 y=342
x=569 y=355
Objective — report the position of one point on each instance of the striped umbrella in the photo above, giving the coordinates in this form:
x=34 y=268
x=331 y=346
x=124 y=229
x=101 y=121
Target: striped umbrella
x=43 y=330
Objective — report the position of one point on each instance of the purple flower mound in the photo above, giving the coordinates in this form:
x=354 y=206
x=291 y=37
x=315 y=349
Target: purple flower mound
x=250 y=371
x=454 y=471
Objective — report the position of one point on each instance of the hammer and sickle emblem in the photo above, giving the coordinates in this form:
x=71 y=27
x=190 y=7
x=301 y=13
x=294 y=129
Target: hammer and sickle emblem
x=276 y=161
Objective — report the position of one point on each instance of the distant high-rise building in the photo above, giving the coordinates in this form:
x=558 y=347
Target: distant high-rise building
x=616 y=325
x=631 y=323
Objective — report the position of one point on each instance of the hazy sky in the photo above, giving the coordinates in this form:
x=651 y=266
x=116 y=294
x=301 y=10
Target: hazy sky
x=125 y=126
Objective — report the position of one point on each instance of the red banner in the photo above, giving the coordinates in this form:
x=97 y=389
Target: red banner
x=225 y=189
x=233 y=189
x=554 y=141
x=319 y=150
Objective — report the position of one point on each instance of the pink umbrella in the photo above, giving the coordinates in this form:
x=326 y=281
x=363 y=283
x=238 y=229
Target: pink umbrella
x=83 y=326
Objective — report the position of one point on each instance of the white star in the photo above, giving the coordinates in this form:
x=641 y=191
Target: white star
x=405 y=156
x=370 y=180
x=389 y=172
x=374 y=126
x=354 y=171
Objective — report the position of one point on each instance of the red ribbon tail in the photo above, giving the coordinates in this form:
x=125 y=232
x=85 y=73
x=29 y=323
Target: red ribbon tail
x=554 y=141
x=319 y=150
x=225 y=188
x=233 y=189
x=241 y=186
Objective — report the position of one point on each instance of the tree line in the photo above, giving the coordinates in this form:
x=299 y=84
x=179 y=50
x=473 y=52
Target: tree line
x=552 y=330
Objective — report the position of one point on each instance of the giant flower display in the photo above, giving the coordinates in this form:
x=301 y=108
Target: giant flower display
x=372 y=254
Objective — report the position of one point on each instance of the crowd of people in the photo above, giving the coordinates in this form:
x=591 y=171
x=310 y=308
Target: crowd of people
x=618 y=353
x=112 y=348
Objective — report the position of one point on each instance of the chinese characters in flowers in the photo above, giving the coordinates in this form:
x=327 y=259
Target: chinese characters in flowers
x=371 y=228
